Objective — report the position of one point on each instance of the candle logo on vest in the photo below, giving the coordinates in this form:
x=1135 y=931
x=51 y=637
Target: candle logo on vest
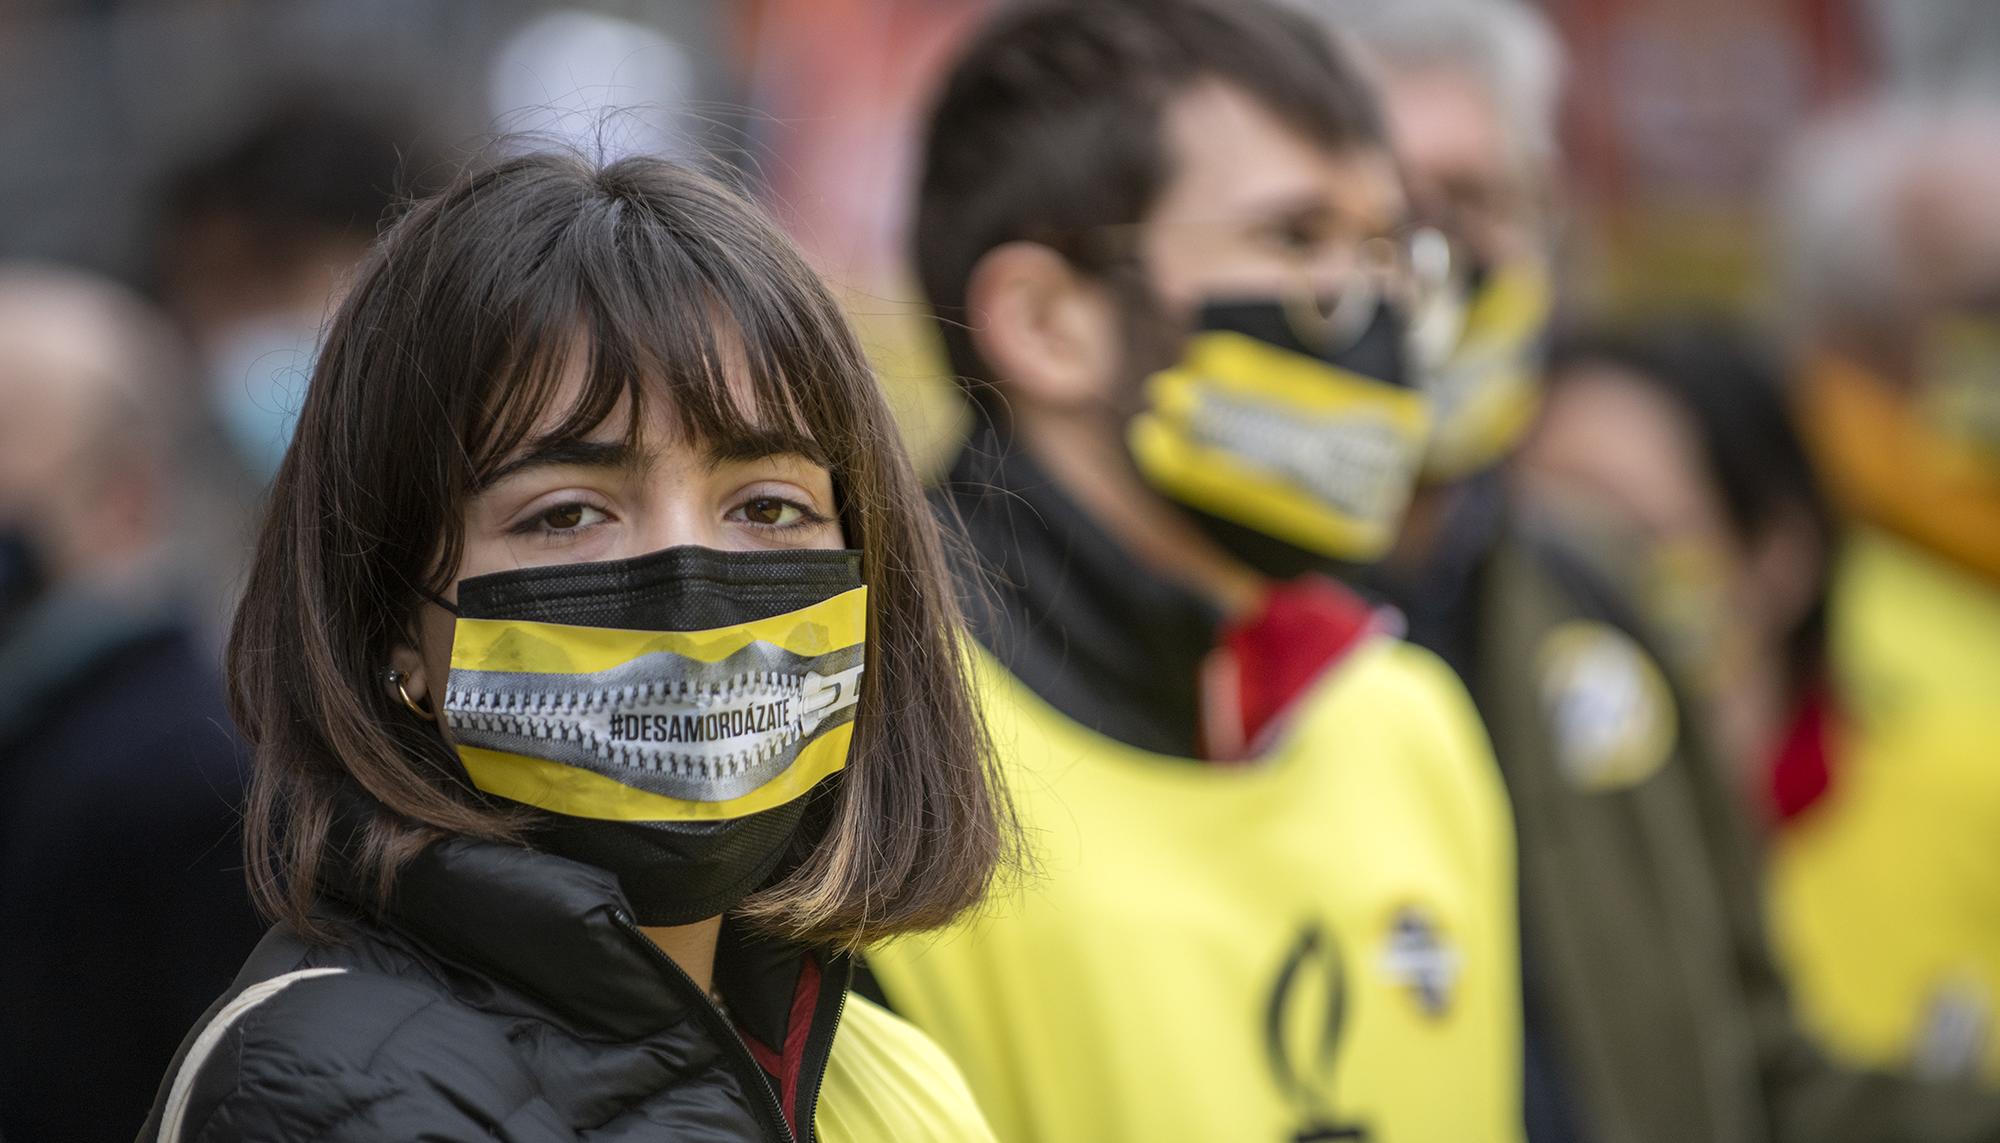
x=1303 y=1023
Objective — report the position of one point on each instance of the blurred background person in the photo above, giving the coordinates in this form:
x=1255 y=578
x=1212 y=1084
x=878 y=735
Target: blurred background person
x=254 y=244
x=1166 y=246
x=1471 y=89
x=1887 y=891
x=121 y=870
x=252 y=240
x=1667 y=453
x=1585 y=723
x=1653 y=1009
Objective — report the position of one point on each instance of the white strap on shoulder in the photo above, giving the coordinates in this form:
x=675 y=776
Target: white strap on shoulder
x=173 y=1118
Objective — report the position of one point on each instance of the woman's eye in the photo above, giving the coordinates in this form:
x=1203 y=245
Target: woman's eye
x=568 y=517
x=771 y=512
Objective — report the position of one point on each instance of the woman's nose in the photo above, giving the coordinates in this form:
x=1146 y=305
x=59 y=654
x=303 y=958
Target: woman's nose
x=677 y=520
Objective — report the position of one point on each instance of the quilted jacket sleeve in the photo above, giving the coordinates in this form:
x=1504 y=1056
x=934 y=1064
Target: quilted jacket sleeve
x=325 y=1054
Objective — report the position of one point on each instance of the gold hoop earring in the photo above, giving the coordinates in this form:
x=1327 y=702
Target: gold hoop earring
x=395 y=678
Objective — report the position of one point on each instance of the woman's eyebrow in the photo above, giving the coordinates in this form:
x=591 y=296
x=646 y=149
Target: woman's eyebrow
x=758 y=444
x=568 y=453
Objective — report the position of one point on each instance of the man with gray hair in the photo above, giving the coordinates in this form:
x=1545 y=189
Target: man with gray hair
x=1653 y=1010
x=1886 y=891
x=121 y=883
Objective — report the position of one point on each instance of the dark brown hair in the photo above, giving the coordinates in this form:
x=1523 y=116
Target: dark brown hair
x=1048 y=126
x=447 y=353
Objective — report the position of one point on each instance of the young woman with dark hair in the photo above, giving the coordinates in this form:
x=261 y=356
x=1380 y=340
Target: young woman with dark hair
x=605 y=691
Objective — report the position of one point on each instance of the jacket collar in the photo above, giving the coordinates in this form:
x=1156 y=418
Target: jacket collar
x=563 y=934
x=556 y=929
x=1068 y=611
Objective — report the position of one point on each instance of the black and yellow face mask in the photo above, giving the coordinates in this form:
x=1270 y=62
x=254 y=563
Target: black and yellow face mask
x=668 y=713
x=1486 y=385
x=1274 y=422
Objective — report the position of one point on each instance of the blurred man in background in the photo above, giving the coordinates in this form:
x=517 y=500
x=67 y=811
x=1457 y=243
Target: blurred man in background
x=1166 y=245
x=1887 y=892
x=1653 y=1009
x=1471 y=89
x=122 y=904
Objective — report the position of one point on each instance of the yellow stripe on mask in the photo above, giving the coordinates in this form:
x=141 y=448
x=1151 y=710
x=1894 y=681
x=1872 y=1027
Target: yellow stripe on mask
x=1513 y=306
x=565 y=649
x=1484 y=427
x=1494 y=389
x=1241 y=365
x=581 y=793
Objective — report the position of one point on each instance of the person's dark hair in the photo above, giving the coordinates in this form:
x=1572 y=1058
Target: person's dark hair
x=1730 y=387
x=449 y=350
x=308 y=167
x=1048 y=126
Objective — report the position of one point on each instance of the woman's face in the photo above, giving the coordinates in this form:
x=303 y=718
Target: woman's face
x=1621 y=466
x=608 y=495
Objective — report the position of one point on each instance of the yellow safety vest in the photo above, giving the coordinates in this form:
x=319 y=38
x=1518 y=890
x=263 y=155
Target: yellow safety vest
x=1323 y=940
x=1886 y=896
x=885 y=1081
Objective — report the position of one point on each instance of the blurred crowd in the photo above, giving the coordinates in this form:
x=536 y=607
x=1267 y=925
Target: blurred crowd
x=1708 y=518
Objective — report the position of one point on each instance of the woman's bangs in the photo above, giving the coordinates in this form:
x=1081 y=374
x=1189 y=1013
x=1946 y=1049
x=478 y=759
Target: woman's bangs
x=726 y=359
x=725 y=376
x=522 y=403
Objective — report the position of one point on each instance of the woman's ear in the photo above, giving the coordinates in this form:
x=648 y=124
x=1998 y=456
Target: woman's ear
x=420 y=659
x=408 y=663
x=1049 y=331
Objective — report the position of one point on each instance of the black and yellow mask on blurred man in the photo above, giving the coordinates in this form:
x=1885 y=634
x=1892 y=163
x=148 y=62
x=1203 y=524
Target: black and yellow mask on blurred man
x=1276 y=420
x=1485 y=386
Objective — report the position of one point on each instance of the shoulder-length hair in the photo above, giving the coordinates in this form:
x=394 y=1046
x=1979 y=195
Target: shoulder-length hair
x=448 y=351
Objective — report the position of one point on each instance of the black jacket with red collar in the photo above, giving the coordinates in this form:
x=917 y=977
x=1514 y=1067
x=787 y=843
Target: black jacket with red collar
x=1119 y=648
x=504 y=994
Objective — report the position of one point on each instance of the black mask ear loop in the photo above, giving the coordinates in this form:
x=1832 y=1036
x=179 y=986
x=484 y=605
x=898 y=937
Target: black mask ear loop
x=440 y=600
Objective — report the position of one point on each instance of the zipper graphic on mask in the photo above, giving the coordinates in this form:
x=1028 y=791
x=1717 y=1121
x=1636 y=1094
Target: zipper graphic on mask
x=1356 y=463
x=750 y=706
x=707 y=731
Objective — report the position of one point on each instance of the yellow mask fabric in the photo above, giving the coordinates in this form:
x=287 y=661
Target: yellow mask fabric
x=1289 y=445
x=1485 y=392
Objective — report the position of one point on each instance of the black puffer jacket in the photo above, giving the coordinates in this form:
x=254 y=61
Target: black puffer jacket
x=506 y=994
